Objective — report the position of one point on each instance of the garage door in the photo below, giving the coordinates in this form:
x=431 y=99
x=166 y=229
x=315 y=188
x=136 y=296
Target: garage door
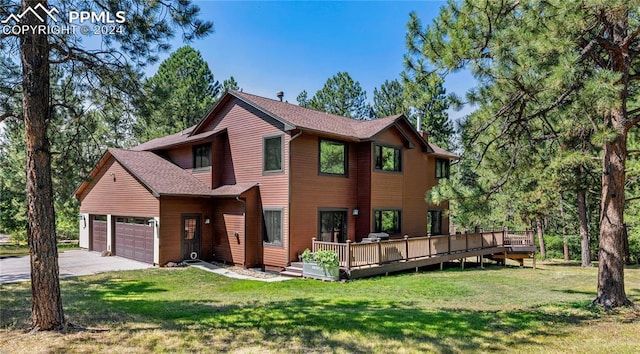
x=134 y=239
x=99 y=233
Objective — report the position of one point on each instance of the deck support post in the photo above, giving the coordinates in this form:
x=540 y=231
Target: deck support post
x=379 y=252
x=313 y=244
x=406 y=247
x=534 y=259
x=441 y=265
x=481 y=262
x=462 y=263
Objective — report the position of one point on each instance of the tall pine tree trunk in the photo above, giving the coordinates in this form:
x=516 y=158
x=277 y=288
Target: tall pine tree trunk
x=543 y=249
x=565 y=243
x=46 y=303
x=585 y=240
x=611 y=291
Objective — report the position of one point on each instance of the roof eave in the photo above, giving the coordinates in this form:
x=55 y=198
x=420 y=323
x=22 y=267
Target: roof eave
x=188 y=142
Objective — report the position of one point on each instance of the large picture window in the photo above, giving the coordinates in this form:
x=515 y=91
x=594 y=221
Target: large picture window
x=272 y=154
x=442 y=168
x=272 y=233
x=387 y=158
x=388 y=221
x=333 y=157
x=202 y=156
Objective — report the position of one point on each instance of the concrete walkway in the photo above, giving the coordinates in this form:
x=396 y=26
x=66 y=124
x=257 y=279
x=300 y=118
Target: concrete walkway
x=230 y=274
x=80 y=262
x=72 y=263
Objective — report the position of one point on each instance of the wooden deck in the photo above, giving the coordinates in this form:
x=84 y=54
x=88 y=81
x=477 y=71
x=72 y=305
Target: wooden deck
x=359 y=260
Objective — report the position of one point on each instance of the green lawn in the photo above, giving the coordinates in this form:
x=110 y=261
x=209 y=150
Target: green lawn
x=17 y=250
x=189 y=310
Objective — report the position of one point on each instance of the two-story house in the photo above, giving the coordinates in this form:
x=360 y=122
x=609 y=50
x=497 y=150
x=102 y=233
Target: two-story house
x=256 y=180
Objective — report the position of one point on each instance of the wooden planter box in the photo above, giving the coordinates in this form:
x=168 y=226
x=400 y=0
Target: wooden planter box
x=313 y=270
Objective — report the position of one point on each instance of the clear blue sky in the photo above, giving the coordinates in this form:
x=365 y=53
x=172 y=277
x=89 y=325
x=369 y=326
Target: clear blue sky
x=290 y=46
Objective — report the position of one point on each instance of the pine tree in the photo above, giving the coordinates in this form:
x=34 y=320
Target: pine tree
x=342 y=96
x=230 y=84
x=177 y=96
x=110 y=72
x=389 y=100
x=538 y=63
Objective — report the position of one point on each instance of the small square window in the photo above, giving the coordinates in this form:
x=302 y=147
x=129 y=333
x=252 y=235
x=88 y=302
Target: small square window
x=333 y=157
x=442 y=168
x=387 y=158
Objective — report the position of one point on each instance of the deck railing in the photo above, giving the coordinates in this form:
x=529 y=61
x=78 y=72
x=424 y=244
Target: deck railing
x=356 y=255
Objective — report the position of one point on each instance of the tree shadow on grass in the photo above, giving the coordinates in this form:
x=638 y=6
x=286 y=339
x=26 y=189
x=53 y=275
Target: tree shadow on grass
x=298 y=324
x=339 y=324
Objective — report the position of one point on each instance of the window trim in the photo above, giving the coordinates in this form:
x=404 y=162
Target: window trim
x=447 y=163
x=373 y=219
x=346 y=158
x=395 y=147
x=193 y=157
x=264 y=154
x=271 y=244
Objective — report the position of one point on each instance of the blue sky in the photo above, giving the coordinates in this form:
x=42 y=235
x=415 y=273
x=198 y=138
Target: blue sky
x=290 y=46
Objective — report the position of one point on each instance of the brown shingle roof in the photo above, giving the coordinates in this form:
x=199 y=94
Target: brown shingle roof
x=440 y=152
x=162 y=177
x=306 y=118
x=159 y=175
x=293 y=116
x=178 y=138
x=232 y=190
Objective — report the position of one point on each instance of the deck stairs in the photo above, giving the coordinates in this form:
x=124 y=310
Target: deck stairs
x=294 y=270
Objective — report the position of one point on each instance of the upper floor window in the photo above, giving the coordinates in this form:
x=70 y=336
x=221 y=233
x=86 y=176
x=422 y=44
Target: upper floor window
x=333 y=157
x=387 y=158
x=202 y=156
x=388 y=221
x=442 y=168
x=272 y=150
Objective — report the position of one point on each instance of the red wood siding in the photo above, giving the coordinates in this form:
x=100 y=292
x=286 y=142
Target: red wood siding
x=181 y=156
x=406 y=190
x=171 y=210
x=242 y=162
x=124 y=196
x=310 y=191
x=228 y=219
x=253 y=221
x=363 y=224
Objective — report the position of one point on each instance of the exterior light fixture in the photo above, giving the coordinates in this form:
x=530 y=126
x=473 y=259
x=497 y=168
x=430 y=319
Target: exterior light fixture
x=356 y=212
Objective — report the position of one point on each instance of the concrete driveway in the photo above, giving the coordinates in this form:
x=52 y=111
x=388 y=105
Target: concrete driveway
x=72 y=263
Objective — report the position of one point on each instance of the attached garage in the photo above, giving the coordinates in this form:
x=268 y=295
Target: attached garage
x=134 y=238
x=99 y=233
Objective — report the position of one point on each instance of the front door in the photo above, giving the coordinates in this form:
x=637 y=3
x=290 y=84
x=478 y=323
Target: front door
x=333 y=226
x=191 y=232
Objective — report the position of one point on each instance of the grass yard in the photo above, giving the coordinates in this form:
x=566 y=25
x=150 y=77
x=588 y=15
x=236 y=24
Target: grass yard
x=189 y=310
x=18 y=250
